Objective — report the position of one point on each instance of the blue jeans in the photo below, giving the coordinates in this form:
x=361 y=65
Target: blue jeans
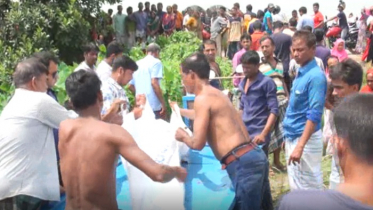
x=249 y=176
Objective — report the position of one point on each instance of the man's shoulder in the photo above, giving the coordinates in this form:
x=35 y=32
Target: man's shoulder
x=304 y=200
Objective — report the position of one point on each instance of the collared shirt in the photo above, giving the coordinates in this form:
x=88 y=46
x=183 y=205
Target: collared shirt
x=235 y=25
x=255 y=40
x=258 y=103
x=277 y=74
x=104 y=71
x=149 y=68
x=52 y=94
x=217 y=25
x=237 y=58
x=84 y=66
x=305 y=20
x=111 y=90
x=307 y=99
x=294 y=67
x=28 y=164
x=141 y=20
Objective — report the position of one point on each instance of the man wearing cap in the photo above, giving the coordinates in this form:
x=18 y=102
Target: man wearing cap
x=342 y=21
x=268 y=19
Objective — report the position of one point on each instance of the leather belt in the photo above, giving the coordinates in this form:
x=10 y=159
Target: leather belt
x=236 y=153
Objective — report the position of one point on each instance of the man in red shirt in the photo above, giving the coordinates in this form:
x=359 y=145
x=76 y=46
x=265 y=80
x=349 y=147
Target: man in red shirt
x=318 y=17
x=256 y=36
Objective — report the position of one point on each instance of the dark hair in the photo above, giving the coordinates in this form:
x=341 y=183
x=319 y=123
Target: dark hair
x=90 y=47
x=257 y=25
x=253 y=15
x=198 y=63
x=307 y=28
x=208 y=42
x=293 y=22
x=147 y=3
x=223 y=8
x=294 y=11
x=353 y=122
x=119 y=6
x=236 y=5
x=307 y=36
x=277 y=9
x=245 y=36
x=332 y=56
x=278 y=25
x=110 y=10
x=114 y=48
x=28 y=69
x=269 y=38
x=82 y=87
x=303 y=10
x=125 y=62
x=319 y=33
x=316 y=4
x=349 y=71
x=46 y=57
x=250 y=57
x=249 y=7
x=129 y=8
x=160 y=4
x=260 y=14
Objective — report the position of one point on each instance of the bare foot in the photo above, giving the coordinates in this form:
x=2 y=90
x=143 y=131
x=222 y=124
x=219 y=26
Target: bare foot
x=279 y=166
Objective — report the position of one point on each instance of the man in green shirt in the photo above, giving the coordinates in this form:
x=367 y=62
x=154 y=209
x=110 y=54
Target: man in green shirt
x=118 y=24
x=130 y=28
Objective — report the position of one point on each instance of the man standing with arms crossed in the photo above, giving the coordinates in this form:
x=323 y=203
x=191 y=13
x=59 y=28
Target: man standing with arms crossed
x=217 y=121
x=89 y=150
x=302 y=123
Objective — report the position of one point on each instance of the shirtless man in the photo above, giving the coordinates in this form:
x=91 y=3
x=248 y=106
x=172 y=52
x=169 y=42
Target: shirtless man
x=89 y=150
x=217 y=121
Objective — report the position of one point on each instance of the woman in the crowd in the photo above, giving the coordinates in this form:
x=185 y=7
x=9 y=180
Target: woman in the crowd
x=168 y=22
x=152 y=27
x=194 y=24
x=339 y=50
x=360 y=45
x=368 y=88
x=369 y=45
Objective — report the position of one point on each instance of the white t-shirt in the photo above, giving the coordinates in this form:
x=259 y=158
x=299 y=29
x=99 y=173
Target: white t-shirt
x=83 y=66
x=103 y=71
x=28 y=162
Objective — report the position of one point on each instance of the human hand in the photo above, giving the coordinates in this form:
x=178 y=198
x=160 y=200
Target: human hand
x=259 y=139
x=181 y=173
x=140 y=100
x=163 y=111
x=173 y=104
x=296 y=155
x=180 y=134
x=117 y=104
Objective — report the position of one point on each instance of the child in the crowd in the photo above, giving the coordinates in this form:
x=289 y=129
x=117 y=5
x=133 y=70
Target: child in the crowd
x=368 y=88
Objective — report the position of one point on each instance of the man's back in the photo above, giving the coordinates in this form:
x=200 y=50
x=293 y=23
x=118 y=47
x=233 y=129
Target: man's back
x=323 y=53
x=283 y=43
x=226 y=129
x=88 y=163
x=320 y=200
x=149 y=68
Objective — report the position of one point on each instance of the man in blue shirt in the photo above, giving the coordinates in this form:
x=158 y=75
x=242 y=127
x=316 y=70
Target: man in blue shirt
x=258 y=105
x=147 y=79
x=302 y=123
x=268 y=19
x=305 y=19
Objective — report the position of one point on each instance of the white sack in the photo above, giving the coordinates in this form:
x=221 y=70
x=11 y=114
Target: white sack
x=157 y=139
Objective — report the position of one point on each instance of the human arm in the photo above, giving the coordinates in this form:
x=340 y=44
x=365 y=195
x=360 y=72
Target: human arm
x=299 y=24
x=126 y=25
x=242 y=26
x=229 y=31
x=287 y=93
x=127 y=147
x=272 y=105
x=269 y=23
x=316 y=100
x=188 y=113
x=110 y=111
x=156 y=75
x=200 y=125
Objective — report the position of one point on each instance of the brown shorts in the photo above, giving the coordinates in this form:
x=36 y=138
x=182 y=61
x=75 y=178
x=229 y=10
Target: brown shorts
x=22 y=202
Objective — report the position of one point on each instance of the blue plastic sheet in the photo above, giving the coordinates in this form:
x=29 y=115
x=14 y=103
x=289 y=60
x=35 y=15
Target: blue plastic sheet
x=207 y=187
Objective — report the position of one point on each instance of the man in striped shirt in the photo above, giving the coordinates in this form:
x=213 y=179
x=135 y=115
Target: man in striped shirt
x=272 y=67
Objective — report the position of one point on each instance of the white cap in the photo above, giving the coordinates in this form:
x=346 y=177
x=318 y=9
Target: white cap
x=239 y=69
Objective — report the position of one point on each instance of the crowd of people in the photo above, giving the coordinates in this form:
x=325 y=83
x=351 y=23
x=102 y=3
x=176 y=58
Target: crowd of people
x=287 y=79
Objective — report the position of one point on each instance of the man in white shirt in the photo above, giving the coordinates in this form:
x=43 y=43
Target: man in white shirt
x=113 y=50
x=115 y=100
x=147 y=80
x=28 y=164
x=90 y=58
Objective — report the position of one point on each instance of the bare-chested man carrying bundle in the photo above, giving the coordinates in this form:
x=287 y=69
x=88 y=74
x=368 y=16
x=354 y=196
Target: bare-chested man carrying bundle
x=89 y=150
x=217 y=121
